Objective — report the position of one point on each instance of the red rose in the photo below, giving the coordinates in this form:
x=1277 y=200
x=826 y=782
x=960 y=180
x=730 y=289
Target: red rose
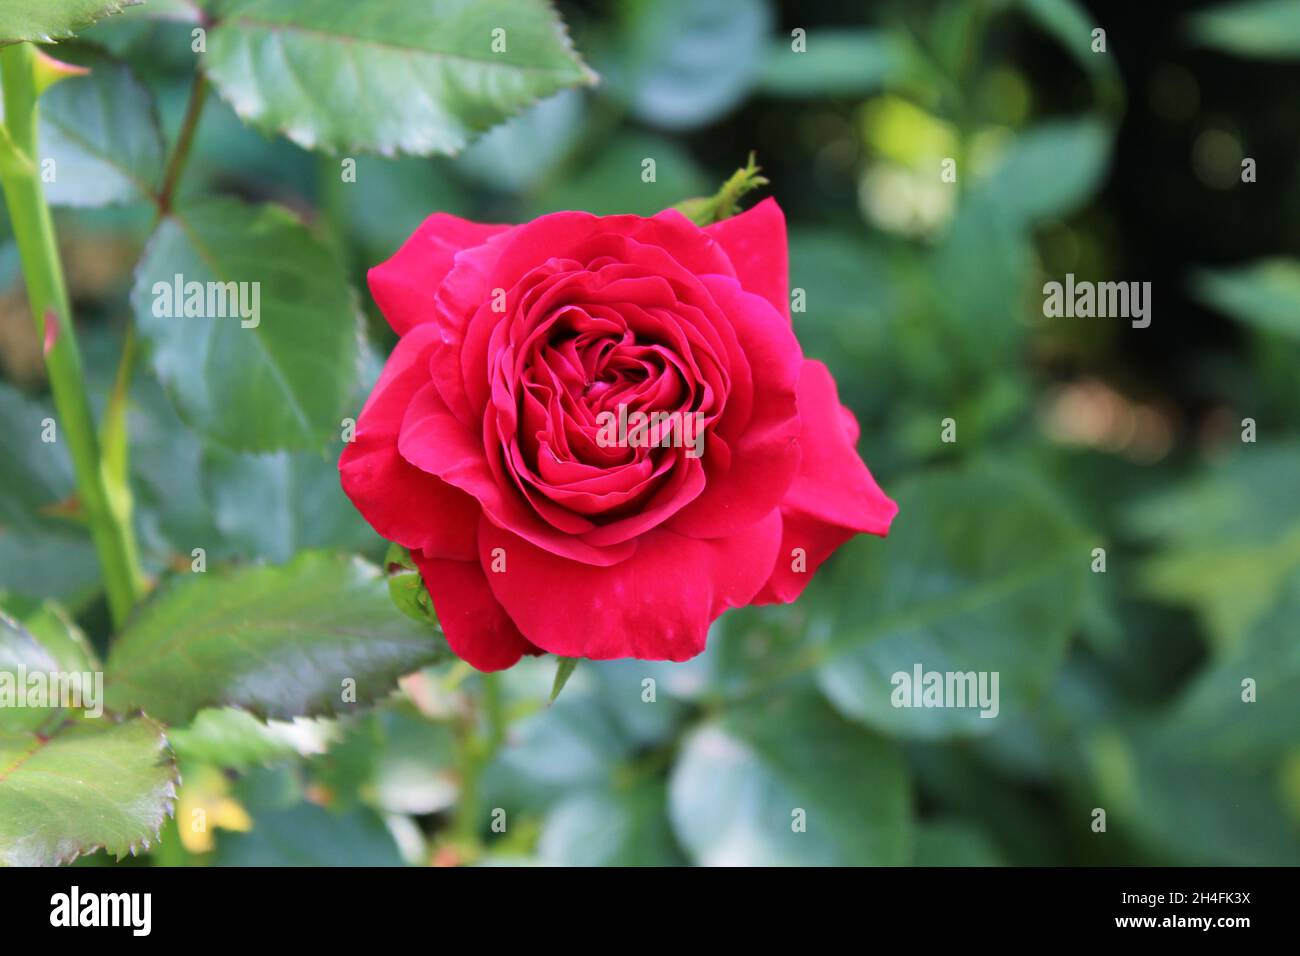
x=489 y=446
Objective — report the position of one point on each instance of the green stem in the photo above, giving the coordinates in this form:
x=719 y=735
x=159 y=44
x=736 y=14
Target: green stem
x=34 y=231
x=495 y=714
x=476 y=750
x=184 y=141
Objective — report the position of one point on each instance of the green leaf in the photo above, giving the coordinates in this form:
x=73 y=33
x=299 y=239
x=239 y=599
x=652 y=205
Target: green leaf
x=276 y=504
x=683 y=63
x=85 y=786
x=159 y=31
x=989 y=255
x=182 y=11
x=416 y=78
x=37 y=474
x=954 y=778
x=41 y=554
x=43 y=21
x=173 y=516
x=836 y=63
x=753 y=648
x=233 y=739
x=1213 y=764
x=1049 y=170
x=563 y=671
x=62 y=644
x=982 y=573
x=610 y=826
x=625 y=687
x=281 y=379
x=102 y=132
x=1255 y=28
x=953 y=843
x=307 y=835
x=1228 y=539
x=855 y=316
x=740 y=780
x=280 y=642
x=554 y=750
x=1263 y=294
x=41 y=640
x=46 y=564
x=1211 y=718
x=84 y=782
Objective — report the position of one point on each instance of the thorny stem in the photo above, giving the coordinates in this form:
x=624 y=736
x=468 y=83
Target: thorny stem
x=46 y=292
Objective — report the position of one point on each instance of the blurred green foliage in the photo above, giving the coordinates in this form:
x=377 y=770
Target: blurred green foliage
x=1121 y=690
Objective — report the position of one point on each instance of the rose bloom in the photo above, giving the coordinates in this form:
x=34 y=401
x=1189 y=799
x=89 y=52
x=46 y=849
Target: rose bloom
x=481 y=447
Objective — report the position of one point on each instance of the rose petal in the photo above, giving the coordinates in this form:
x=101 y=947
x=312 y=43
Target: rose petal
x=477 y=627
x=807 y=543
x=833 y=496
x=833 y=483
x=765 y=455
x=405 y=285
x=755 y=241
x=433 y=440
x=401 y=502
x=657 y=605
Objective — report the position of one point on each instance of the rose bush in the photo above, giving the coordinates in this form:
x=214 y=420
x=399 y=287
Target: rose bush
x=479 y=448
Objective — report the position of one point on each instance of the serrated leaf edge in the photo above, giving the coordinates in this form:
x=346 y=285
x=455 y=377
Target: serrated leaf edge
x=248 y=114
x=109 y=8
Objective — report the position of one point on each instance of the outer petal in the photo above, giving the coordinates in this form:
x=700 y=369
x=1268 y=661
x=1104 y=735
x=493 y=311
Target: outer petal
x=833 y=483
x=657 y=605
x=833 y=497
x=756 y=243
x=563 y=234
x=815 y=540
x=405 y=285
x=477 y=627
x=764 y=459
x=401 y=502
